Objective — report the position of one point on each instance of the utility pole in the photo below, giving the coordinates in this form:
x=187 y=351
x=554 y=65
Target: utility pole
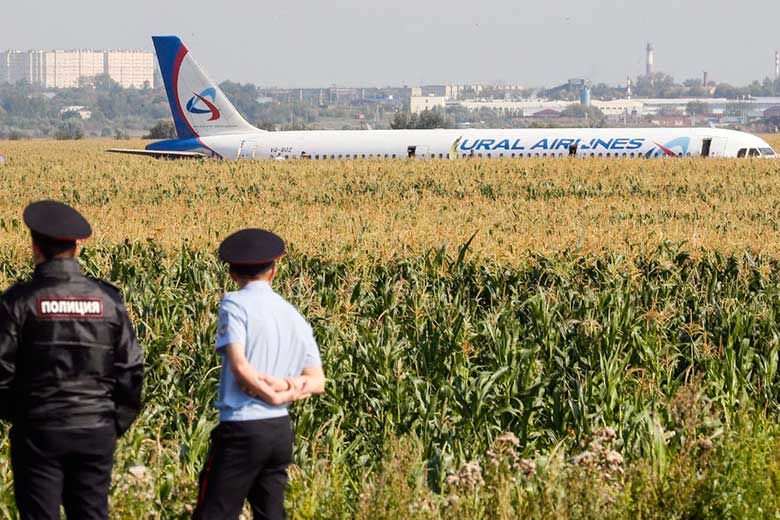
x=650 y=62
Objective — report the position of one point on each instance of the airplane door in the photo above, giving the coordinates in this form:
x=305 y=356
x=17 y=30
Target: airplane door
x=247 y=149
x=706 y=144
x=713 y=147
x=417 y=151
x=718 y=147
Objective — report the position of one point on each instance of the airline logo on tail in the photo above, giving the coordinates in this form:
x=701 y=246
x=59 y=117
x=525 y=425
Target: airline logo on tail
x=194 y=104
x=198 y=107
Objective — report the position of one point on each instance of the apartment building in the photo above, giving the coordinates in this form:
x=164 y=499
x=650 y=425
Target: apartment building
x=67 y=69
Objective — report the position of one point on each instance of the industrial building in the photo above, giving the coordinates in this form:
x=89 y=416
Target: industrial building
x=67 y=69
x=620 y=110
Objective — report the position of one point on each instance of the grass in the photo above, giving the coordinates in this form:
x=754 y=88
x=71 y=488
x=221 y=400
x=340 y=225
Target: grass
x=618 y=380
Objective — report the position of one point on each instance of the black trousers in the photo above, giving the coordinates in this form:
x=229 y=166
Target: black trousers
x=247 y=460
x=70 y=467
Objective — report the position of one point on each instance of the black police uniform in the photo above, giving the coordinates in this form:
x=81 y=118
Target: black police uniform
x=71 y=373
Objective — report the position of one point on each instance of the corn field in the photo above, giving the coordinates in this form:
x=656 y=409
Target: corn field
x=505 y=339
x=394 y=209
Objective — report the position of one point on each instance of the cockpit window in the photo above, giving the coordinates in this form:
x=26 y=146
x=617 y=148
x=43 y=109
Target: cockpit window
x=767 y=152
x=753 y=152
x=742 y=152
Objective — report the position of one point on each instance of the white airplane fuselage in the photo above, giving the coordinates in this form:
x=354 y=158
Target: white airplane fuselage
x=208 y=125
x=451 y=144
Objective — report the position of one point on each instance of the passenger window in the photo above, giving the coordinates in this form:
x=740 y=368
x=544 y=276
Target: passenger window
x=753 y=153
x=742 y=152
x=363 y=156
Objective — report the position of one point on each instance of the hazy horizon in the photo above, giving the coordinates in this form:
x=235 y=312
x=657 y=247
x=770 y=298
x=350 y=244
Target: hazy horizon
x=351 y=43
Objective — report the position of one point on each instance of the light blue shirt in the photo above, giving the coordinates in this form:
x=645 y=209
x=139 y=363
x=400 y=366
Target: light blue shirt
x=277 y=341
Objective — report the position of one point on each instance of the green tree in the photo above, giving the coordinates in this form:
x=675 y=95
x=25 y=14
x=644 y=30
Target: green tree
x=697 y=108
x=659 y=85
x=591 y=114
x=164 y=129
x=403 y=120
x=265 y=124
x=104 y=83
x=724 y=90
x=427 y=119
x=695 y=88
x=69 y=130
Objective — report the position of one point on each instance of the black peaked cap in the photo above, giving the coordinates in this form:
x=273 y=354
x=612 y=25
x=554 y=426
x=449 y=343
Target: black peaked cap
x=56 y=220
x=251 y=247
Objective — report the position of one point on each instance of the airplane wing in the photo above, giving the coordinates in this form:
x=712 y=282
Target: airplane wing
x=159 y=154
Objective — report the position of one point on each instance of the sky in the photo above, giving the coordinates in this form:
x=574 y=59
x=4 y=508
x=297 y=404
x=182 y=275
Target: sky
x=319 y=43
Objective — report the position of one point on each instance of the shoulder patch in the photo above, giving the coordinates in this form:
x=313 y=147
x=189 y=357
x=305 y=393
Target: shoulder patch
x=222 y=323
x=63 y=307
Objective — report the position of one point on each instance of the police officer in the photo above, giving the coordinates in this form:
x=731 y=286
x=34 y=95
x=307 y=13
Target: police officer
x=70 y=373
x=269 y=359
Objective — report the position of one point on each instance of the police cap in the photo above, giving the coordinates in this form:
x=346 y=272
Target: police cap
x=56 y=220
x=251 y=247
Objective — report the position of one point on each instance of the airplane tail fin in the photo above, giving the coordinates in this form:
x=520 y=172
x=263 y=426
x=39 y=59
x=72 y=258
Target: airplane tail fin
x=198 y=105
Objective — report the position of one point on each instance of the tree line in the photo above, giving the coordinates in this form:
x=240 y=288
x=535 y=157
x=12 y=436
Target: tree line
x=29 y=111
x=662 y=85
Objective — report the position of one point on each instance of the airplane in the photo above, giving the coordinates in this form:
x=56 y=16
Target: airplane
x=208 y=125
